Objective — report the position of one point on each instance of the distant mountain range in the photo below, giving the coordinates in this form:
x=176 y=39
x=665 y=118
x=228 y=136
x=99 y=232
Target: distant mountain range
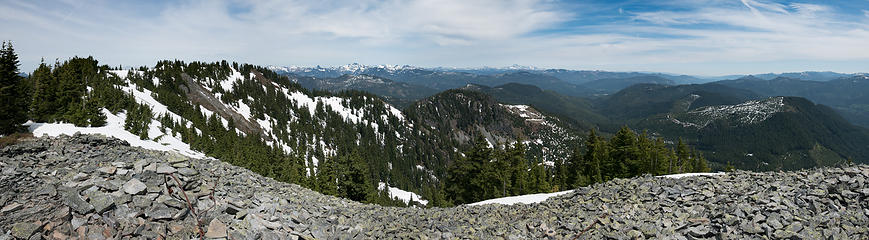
x=396 y=93
x=577 y=77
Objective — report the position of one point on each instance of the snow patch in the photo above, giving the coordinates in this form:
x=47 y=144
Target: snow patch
x=403 y=195
x=523 y=199
x=746 y=113
x=683 y=175
x=115 y=128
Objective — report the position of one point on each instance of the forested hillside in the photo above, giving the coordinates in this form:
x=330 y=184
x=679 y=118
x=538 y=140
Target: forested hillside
x=767 y=134
x=247 y=116
x=462 y=116
x=349 y=144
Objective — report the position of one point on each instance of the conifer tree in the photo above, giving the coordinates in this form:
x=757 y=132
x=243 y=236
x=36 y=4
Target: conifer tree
x=326 y=180
x=683 y=157
x=352 y=178
x=591 y=161
x=519 y=176
x=564 y=172
x=540 y=180
x=43 y=94
x=623 y=158
x=13 y=105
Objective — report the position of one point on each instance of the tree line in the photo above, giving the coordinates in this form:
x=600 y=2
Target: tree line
x=485 y=172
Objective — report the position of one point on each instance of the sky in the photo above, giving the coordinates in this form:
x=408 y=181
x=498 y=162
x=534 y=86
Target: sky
x=695 y=37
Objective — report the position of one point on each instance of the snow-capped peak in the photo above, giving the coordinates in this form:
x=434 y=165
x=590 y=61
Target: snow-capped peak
x=352 y=69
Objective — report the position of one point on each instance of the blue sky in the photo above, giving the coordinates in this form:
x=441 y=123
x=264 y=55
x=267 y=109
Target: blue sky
x=697 y=37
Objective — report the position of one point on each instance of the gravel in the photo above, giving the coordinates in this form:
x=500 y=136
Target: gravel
x=92 y=187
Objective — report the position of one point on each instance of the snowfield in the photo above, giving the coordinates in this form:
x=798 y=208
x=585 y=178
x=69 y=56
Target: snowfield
x=683 y=175
x=403 y=195
x=523 y=199
x=540 y=197
x=115 y=128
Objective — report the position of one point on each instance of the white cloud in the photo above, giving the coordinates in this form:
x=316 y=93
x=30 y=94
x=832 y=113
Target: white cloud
x=809 y=10
x=211 y=28
x=703 y=33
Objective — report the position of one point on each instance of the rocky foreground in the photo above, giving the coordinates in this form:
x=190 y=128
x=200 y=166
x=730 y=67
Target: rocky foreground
x=91 y=187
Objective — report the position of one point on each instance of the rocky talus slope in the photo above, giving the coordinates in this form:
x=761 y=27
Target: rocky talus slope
x=91 y=187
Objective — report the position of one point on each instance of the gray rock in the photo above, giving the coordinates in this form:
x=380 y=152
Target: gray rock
x=160 y=212
x=134 y=186
x=24 y=230
x=11 y=208
x=699 y=231
x=150 y=168
x=188 y=172
x=107 y=185
x=139 y=165
x=270 y=235
x=751 y=227
x=257 y=223
x=141 y=201
x=80 y=177
x=76 y=203
x=101 y=202
x=121 y=165
x=108 y=170
x=783 y=234
x=165 y=169
x=171 y=202
x=794 y=227
x=121 y=197
x=774 y=223
x=96 y=232
x=77 y=222
x=46 y=189
x=216 y=229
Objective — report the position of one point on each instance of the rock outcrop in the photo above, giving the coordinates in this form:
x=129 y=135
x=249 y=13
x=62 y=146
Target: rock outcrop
x=91 y=187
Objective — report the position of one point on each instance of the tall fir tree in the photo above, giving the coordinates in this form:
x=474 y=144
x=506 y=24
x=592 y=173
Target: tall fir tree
x=353 y=178
x=41 y=107
x=519 y=168
x=13 y=110
x=683 y=156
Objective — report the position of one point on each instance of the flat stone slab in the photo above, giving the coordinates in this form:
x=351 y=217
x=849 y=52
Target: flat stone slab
x=134 y=186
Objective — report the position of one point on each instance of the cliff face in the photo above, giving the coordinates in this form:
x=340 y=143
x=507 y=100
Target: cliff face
x=90 y=187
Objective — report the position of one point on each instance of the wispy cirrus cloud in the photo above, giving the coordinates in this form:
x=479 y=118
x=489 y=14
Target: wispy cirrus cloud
x=695 y=37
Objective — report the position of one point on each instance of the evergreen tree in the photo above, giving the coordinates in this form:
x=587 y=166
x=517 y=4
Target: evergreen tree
x=624 y=159
x=539 y=179
x=683 y=156
x=519 y=168
x=353 y=181
x=13 y=110
x=138 y=120
x=326 y=178
x=41 y=108
x=594 y=158
x=698 y=162
x=564 y=175
x=464 y=182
